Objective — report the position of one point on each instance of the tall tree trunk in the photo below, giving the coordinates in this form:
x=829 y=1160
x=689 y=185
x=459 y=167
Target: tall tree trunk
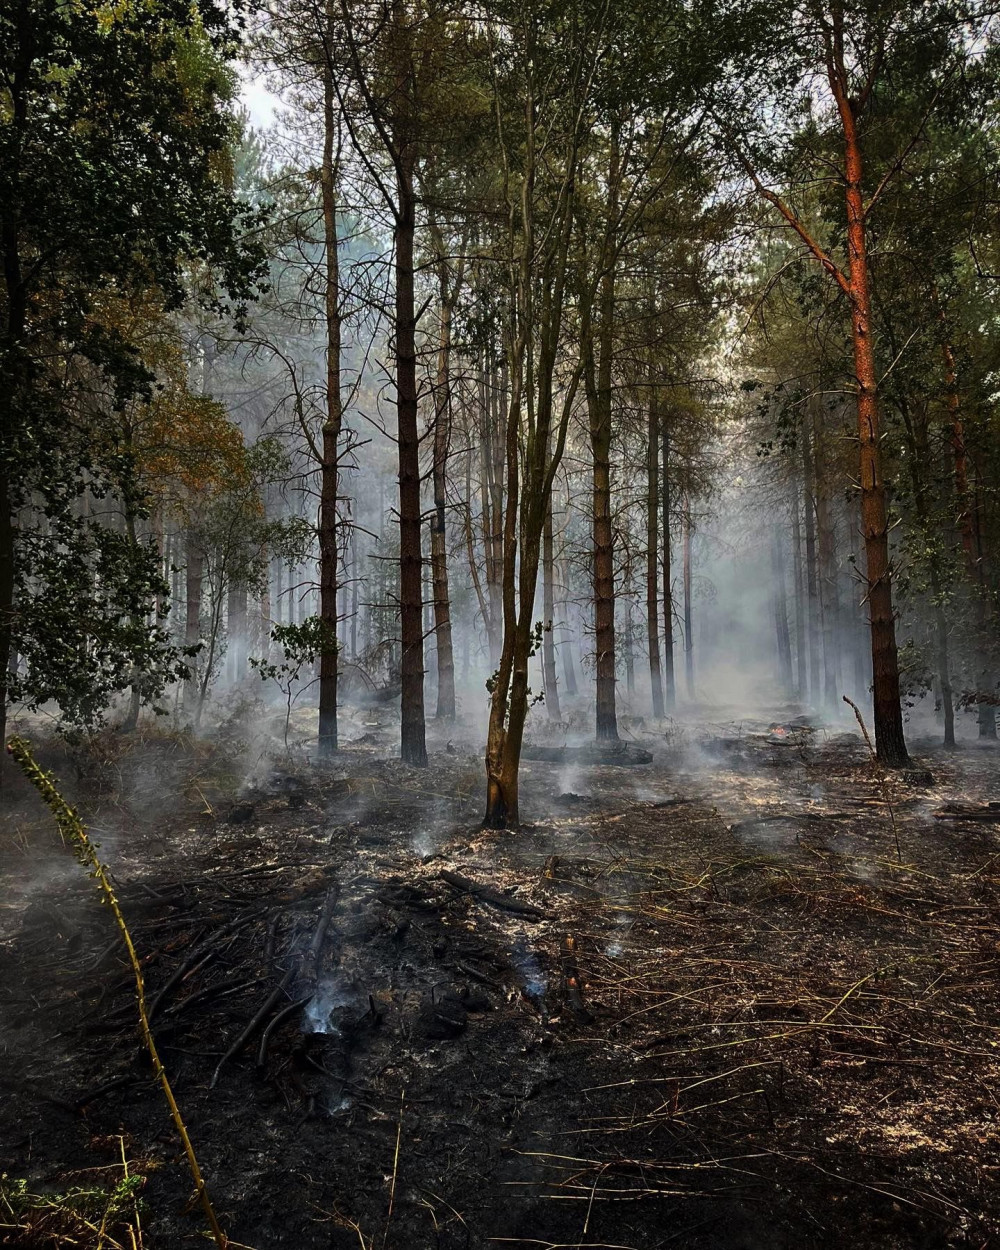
x=549 y=682
x=919 y=458
x=194 y=574
x=827 y=572
x=355 y=580
x=986 y=711
x=801 y=680
x=688 y=615
x=566 y=644
x=329 y=553
x=264 y=618
x=439 y=544
x=888 y=713
x=669 y=683
x=652 y=553
x=413 y=746
x=492 y=510
x=598 y=385
x=236 y=630
x=780 y=610
x=812 y=568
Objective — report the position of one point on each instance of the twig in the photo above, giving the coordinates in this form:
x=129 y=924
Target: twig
x=259 y=1017
x=395 y=1168
x=275 y=1024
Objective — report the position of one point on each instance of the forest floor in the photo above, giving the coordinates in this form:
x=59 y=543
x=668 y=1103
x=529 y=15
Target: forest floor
x=744 y=996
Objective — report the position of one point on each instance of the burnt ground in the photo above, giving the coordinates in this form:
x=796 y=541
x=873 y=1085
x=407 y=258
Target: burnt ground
x=723 y=1012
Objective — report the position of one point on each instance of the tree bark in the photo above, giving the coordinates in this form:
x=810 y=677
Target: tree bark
x=669 y=682
x=652 y=553
x=329 y=554
x=193 y=578
x=413 y=746
x=812 y=568
x=597 y=374
x=827 y=578
x=236 y=630
x=888 y=714
x=566 y=644
x=688 y=614
x=549 y=681
x=986 y=711
x=801 y=679
x=439 y=544
x=780 y=611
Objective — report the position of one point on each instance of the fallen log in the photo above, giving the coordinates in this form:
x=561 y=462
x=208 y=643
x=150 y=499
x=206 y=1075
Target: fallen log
x=486 y=894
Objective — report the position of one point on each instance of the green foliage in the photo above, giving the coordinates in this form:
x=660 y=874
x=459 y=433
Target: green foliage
x=301 y=645
x=78 y=1212
x=84 y=628
x=115 y=133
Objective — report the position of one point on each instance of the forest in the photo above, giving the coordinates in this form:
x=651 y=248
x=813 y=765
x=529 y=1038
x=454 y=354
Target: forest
x=499 y=624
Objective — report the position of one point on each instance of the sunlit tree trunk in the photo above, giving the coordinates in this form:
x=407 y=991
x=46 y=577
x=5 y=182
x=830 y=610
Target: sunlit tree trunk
x=888 y=712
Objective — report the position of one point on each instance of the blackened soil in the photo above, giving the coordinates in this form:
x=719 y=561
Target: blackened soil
x=741 y=1018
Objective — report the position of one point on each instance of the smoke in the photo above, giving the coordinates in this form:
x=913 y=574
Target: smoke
x=331 y=993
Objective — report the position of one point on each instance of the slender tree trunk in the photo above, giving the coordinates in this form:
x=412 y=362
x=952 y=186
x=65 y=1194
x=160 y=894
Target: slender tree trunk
x=264 y=618
x=688 y=630
x=653 y=554
x=329 y=553
x=566 y=645
x=598 y=385
x=492 y=508
x=604 y=577
x=439 y=545
x=919 y=458
x=193 y=577
x=780 y=610
x=669 y=683
x=986 y=711
x=355 y=580
x=549 y=682
x=812 y=568
x=413 y=747
x=827 y=576
x=13 y=388
x=801 y=679
x=236 y=630
x=888 y=714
